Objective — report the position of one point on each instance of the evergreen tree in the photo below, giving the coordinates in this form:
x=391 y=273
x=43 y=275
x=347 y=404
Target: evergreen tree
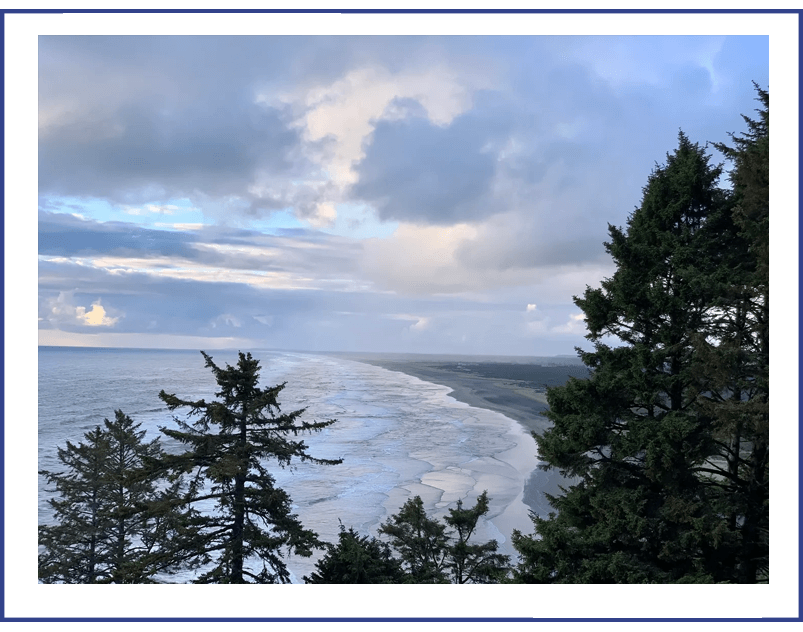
x=734 y=354
x=420 y=541
x=633 y=432
x=473 y=563
x=114 y=520
x=238 y=512
x=357 y=559
x=431 y=554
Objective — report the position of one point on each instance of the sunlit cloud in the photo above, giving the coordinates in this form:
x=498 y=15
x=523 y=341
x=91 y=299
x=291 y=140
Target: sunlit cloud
x=62 y=311
x=575 y=325
x=300 y=185
x=160 y=209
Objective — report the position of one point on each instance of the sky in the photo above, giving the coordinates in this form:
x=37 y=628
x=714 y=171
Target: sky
x=425 y=194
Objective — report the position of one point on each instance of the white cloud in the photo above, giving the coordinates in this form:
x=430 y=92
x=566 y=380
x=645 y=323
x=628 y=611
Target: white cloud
x=180 y=226
x=531 y=307
x=418 y=259
x=347 y=110
x=324 y=217
x=62 y=311
x=575 y=325
x=96 y=317
x=337 y=120
x=421 y=322
x=161 y=209
x=227 y=319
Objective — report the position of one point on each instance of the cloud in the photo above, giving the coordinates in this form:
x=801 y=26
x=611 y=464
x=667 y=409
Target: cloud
x=296 y=259
x=575 y=325
x=161 y=209
x=499 y=162
x=337 y=120
x=96 y=317
x=420 y=322
x=228 y=320
x=418 y=259
x=56 y=338
x=418 y=171
x=137 y=119
x=60 y=311
x=62 y=234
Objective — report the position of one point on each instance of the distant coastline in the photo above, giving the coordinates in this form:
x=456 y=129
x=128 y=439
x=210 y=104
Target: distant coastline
x=513 y=386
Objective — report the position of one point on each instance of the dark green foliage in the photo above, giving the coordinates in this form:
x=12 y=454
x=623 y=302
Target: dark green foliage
x=473 y=563
x=633 y=432
x=734 y=370
x=238 y=513
x=114 y=523
x=431 y=555
x=357 y=559
x=670 y=435
x=420 y=541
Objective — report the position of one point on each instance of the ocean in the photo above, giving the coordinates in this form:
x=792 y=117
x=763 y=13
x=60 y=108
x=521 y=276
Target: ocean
x=398 y=436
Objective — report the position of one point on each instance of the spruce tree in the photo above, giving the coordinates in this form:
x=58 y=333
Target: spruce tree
x=357 y=559
x=238 y=512
x=734 y=357
x=473 y=563
x=433 y=553
x=114 y=520
x=633 y=432
x=420 y=541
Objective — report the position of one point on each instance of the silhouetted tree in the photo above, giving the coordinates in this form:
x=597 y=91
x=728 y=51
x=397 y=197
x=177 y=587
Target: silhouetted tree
x=734 y=356
x=634 y=432
x=238 y=512
x=473 y=563
x=420 y=541
x=357 y=559
x=114 y=520
x=432 y=554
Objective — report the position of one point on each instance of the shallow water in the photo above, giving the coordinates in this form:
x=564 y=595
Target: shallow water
x=397 y=435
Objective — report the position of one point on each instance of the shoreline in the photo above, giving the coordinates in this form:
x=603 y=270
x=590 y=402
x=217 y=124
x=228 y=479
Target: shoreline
x=497 y=386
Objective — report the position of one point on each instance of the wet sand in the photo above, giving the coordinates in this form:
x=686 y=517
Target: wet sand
x=515 y=387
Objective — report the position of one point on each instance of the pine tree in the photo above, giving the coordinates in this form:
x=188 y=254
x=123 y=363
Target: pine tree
x=633 y=432
x=357 y=559
x=114 y=520
x=238 y=512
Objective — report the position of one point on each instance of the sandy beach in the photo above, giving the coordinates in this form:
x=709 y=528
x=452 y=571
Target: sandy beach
x=515 y=387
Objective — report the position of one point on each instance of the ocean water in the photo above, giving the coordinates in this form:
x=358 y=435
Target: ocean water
x=397 y=435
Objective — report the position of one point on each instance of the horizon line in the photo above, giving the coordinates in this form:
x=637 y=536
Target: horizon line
x=311 y=352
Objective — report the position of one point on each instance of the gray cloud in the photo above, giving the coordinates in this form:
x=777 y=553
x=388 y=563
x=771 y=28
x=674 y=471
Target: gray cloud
x=417 y=171
x=135 y=119
x=64 y=235
x=538 y=144
x=296 y=251
x=152 y=155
